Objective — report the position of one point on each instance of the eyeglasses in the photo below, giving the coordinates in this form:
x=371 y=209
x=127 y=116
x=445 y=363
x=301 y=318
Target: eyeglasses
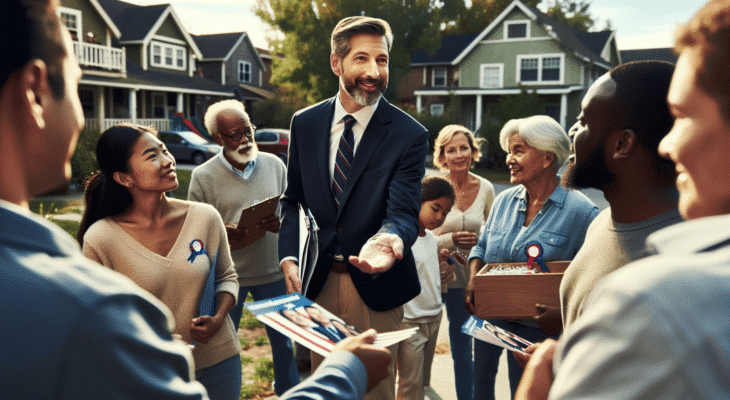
x=236 y=136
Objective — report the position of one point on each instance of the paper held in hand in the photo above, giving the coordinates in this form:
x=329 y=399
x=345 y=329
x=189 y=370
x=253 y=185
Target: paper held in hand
x=486 y=332
x=250 y=217
x=310 y=325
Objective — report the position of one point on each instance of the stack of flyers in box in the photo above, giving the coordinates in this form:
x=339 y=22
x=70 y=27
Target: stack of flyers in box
x=310 y=325
x=495 y=335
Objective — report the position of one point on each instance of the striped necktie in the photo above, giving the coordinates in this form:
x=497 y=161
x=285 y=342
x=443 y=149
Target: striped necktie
x=343 y=159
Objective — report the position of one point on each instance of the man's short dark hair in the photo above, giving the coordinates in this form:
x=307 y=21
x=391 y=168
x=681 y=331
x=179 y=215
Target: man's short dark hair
x=709 y=31
x=641 y=105
x=32 y=30
x=351 y=26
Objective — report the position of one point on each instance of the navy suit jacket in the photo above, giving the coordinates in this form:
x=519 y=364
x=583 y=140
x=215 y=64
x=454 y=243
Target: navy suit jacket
x=382 y=195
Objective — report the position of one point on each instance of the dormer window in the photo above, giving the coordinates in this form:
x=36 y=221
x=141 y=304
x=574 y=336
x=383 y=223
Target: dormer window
x=514 y=30
x=244 y=71
x=166 y=55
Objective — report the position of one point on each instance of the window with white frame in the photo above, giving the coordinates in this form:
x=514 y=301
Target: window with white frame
x=516 y=30
x=437 y=109
x=166 y=55
x=72 y=20
x=439 y=77
x=545 y=68
x=244 y=71
x=491 y=76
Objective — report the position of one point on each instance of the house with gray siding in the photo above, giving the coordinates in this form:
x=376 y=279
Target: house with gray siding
x=138 y=63
x=232 y=60
x=522 y=48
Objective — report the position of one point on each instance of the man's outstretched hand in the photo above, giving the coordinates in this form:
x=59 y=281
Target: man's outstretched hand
x=379 y=253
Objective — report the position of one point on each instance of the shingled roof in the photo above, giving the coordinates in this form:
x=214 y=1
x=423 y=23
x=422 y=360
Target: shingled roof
x=159 y=80
x=219 y=45
x=134 y=21
x=451 y=47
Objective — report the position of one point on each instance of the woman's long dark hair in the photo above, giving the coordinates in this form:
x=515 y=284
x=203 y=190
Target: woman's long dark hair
x=104 y=196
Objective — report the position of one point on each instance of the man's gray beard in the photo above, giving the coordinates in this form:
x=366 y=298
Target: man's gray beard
x=243 y=158
x=363 y=97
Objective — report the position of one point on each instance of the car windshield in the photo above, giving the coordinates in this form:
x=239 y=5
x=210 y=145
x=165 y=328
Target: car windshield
x=193 y=138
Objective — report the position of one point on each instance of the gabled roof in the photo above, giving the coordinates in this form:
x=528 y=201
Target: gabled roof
x=451 y=47
x=139 y=23
x=220 y=46
x=113 y=27
x=581 y=44
x=660 y=54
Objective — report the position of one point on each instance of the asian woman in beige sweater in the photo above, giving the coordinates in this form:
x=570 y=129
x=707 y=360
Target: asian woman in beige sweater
x=167 y=246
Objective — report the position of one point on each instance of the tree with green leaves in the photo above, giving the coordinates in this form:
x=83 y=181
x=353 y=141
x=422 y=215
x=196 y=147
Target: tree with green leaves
x=572 y=13
x=525 y=104
x=307 y=26
x=458 y=19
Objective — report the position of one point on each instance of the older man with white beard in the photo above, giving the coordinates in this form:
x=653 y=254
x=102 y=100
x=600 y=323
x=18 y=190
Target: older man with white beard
x=237 y=178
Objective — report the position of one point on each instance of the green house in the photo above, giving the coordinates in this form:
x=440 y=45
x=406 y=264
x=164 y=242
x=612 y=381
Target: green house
x=522 y=48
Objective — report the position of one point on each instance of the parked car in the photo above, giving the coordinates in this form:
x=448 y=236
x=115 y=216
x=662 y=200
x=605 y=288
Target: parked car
x=274 y=141
x=188 y=146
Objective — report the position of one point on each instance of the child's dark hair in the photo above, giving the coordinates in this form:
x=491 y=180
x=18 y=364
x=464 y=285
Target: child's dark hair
x=434 y=187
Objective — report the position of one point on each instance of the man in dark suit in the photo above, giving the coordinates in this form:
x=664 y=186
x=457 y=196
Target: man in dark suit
x=356 y=162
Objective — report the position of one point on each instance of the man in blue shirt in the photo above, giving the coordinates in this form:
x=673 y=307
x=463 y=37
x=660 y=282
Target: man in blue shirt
x=72 y=329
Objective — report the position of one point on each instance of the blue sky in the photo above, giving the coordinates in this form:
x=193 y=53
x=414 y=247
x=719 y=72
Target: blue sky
x=638 y=23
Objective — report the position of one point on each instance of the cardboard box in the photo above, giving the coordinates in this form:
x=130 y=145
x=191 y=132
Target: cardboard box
x=515 y=296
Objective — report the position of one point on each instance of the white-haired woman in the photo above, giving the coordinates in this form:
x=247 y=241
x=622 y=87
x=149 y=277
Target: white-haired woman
x=538 y=209
x=455 y=151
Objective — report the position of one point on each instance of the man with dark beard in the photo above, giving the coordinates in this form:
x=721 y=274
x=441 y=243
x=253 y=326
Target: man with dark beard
x=624 y=116
x=356 y=162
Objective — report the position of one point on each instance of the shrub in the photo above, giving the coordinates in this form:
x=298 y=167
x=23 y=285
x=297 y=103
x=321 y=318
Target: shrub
x=83 y=163
x=278 y=111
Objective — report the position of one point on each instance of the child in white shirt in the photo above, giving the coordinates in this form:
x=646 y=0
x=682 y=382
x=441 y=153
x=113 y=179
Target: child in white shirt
x=415 y=355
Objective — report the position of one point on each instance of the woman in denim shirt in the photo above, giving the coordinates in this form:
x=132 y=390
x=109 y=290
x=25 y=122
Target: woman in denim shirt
x=539 y=209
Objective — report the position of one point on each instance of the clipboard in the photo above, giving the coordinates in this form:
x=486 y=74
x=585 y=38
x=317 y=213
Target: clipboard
x=250 y=217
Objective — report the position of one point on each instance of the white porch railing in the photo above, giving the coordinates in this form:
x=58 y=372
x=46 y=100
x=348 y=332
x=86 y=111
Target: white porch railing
x=96 y=55
x=160 y=124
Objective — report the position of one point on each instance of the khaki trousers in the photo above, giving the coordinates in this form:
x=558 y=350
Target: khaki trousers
x=415 y=357
x=340 y=297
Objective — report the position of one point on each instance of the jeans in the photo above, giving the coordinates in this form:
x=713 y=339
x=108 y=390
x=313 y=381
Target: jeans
x=461 y=344
x=222 y=380
x=286 y=374
x=486 y=359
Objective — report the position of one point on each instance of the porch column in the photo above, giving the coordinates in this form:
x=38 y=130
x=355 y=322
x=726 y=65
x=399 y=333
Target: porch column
x=478 y=114
x=180 y=103
x=133 y=105
x=418 y=103
x=563 y=110
x=99 y=108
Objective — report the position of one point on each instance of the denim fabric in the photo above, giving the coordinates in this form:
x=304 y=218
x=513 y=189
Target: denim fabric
x=488 y=360
x=222 y=380
x=461 y=344
x=286 y=374
x=560 y=226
